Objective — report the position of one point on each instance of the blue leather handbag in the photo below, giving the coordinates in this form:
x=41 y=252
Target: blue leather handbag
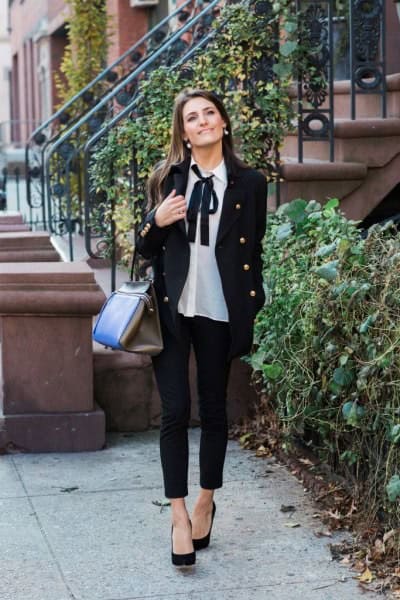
x=129 y=319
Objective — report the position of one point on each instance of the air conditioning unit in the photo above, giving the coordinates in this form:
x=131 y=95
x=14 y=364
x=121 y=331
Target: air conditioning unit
x=137 y=3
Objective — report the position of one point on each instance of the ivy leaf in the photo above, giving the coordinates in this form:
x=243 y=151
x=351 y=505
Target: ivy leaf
x=394 y=434
x=290 y=26
x=282 y=70
x=295 y=210
x=393 y=488
x=288 y=48
x=352 y=413
x=257 y=360
x=283 y=231
x=272 y=371
x=343 y=247
x=343 y=377
x=331 y=204
x=326 y=250
x=328 y=271
x=367 y=322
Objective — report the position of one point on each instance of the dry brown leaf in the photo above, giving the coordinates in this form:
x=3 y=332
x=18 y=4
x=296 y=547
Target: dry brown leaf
x=334 y=515
x=388 y=535
x=323 y=533
x=262 y=451
x=366 y=576
x=306 y=461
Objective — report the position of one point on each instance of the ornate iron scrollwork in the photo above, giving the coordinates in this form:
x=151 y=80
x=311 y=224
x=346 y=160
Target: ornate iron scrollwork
x=315 y=85
x=367 y=43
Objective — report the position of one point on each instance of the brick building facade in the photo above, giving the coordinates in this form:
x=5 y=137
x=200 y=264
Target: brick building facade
x=5 y=71
x=38 y=40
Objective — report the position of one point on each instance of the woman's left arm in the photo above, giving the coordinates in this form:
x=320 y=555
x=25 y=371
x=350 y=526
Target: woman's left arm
x=261 y=190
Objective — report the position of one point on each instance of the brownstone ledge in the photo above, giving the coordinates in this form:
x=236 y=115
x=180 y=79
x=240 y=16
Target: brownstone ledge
x=27 y=246
x=53 y=432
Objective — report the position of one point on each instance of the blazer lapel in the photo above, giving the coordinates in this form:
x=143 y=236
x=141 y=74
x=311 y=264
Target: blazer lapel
x=232 y=205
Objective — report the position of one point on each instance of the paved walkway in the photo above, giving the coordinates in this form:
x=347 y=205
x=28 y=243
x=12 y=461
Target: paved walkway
x=85 y=526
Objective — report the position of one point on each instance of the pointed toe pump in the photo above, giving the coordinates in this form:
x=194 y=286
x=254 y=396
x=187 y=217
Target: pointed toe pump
x=203 y=542
x=182 y=560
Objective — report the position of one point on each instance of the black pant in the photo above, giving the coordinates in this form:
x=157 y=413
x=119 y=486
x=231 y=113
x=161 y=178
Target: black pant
x=211 y=341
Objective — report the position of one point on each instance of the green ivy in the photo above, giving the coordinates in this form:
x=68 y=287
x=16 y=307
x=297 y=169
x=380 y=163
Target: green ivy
x=328 y=344
x=86 y=53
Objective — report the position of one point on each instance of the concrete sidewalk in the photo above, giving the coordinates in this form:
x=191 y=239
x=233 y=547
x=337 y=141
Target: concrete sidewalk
x=85 y=527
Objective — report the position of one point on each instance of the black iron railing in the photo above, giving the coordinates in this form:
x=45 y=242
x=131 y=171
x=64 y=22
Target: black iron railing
x=315 y=82
x=363 y=27
x=368 y=51
x=63 y=160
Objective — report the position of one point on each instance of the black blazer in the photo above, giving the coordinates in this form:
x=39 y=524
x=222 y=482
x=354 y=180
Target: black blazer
x=238 y=252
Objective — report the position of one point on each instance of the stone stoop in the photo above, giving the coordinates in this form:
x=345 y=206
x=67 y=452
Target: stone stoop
x=46 y=385
x=367 y=156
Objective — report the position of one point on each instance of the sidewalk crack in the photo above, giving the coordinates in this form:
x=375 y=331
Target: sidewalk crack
x=44 y=536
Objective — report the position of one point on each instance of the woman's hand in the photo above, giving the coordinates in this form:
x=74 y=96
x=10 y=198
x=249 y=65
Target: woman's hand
x=172 y=209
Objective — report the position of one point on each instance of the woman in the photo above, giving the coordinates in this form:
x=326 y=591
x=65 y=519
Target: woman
x=204 y=236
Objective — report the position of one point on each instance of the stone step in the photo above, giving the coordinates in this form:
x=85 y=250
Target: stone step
x=11 y=218
x=319 y=180
x=12 y=227
x=27 y=246
x=367 y=105
x=374 y=142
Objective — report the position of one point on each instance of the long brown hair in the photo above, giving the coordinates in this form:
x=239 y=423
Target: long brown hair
x=178 y=151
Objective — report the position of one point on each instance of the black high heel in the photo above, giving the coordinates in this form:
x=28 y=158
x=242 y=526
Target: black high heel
x=203 y=542
x=182 y=560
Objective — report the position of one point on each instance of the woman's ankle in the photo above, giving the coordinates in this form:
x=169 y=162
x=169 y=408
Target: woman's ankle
x=204 y=501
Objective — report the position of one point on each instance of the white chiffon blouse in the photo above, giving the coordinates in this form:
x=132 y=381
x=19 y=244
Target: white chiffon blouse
x=202 y=294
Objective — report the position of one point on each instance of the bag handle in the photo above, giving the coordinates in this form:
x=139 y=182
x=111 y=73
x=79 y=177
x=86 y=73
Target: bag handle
x=133 y=265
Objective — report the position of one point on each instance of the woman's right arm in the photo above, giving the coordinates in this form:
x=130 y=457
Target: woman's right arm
x=155 y=227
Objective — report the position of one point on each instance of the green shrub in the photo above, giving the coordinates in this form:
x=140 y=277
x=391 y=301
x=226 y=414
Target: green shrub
x=327 y=345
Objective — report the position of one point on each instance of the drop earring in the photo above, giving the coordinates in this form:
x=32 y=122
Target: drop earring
x=226 y=132
x=188 y=144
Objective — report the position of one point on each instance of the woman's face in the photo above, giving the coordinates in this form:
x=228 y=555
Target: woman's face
x=203 y=124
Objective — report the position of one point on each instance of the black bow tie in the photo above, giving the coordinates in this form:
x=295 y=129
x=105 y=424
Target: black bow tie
x=202 y=194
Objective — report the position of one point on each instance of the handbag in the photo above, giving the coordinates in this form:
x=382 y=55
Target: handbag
x=129 y=318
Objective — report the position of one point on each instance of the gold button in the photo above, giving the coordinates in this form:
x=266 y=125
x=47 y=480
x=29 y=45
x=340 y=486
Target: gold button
x=166 y=299
x=242 y=240
x=246 y=267
x=237 y=206
x=252 y=293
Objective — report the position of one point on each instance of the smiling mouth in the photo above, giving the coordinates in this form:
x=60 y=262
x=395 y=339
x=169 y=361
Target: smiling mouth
x=204 y=131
